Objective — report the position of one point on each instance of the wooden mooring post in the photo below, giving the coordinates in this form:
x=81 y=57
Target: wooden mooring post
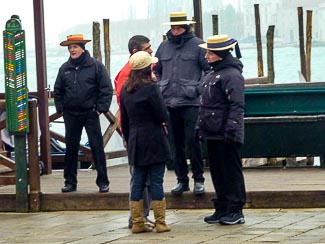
x=96 y=41
x=258 y=41
x=308 y=44
x=302 y=41
x=197 y=6
x=107 y=46
x=215 y=24
x=270 y=56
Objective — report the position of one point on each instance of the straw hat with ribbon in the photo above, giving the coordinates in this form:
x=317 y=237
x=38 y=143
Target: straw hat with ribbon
x=179 y=18
x=221 y=43
x=74 y=39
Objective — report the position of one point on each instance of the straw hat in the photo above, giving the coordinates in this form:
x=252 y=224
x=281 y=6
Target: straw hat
x=74 y=39
x=179 y=18
x=141 y=60
x=218 y=43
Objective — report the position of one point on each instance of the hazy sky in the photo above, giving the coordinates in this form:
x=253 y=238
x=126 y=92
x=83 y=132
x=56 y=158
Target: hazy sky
x=62 y=14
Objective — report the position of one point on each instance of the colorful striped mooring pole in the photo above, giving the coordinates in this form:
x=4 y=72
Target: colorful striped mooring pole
x=16 y=94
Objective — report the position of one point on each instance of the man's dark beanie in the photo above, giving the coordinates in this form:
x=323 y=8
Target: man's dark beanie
x=82 y=45
x=185 y=27
x=222 y=53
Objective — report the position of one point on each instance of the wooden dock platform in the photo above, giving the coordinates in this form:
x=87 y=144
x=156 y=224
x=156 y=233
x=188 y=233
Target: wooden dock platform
x=266 y=188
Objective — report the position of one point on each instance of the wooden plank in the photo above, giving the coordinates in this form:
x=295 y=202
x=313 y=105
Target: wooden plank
x=114 y=126
x=59 y=158
x=2 y=124
x=116 y=154
x=286 y=199
x=258 y=80
x=84 y=201
x=8 y=202
x=120 y=201
x=7 y=180
x=7 y=162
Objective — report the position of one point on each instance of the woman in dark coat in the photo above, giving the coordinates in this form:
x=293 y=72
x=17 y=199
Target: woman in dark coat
x=221 y=123
x=143 y=119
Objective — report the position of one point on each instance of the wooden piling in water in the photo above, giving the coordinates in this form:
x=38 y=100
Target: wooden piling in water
x=107 y=46
x=197 y=6
x=302 y=41
x=308 y=43
x=215 y=24
x=270 y=51
x=96 y=42
x=258 y=41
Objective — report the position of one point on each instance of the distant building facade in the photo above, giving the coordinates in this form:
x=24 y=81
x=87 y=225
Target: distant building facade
x=284 y=15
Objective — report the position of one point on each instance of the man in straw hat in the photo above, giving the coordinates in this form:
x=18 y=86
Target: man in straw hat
x=83 y=91
x=221 y=123
x=179 y=71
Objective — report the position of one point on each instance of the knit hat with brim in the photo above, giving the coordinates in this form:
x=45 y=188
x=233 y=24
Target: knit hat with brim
x=74 y=39
x=179 y=18
x=141 y=60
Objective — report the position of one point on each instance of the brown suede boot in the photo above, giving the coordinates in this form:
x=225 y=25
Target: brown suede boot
x=159 y=211
x=138 y=225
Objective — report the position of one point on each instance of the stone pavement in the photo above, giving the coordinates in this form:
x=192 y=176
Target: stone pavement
x=92 y=227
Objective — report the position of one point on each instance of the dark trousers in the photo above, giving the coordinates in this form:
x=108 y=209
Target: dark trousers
x=141 y=174
x=74 y=123
x=183 y=121
x=227 y=175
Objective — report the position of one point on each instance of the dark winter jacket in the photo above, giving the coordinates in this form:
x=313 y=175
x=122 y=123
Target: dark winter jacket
x=179 y=70
x=221 y=115
x=143 y=112
x=83 y=87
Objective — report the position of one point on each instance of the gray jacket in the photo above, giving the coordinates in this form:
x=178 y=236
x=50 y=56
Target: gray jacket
x=179 y=70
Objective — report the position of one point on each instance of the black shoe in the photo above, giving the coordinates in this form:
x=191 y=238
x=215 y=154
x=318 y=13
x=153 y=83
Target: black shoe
x=68 y=188
x=214 y=218
x=179 y=188
x=233 y=218
x=199 y=188
x=103 y=188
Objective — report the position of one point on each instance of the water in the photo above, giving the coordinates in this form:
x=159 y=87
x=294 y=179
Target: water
x=286 y=65
x=286 y=62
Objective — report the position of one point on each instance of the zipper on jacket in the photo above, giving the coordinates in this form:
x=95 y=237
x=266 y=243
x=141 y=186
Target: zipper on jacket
x=75 y=75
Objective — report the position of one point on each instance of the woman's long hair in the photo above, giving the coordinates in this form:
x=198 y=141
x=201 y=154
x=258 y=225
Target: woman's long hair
x=138 y=77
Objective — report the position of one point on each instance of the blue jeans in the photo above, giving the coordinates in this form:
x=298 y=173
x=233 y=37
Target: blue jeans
x=155 y=174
